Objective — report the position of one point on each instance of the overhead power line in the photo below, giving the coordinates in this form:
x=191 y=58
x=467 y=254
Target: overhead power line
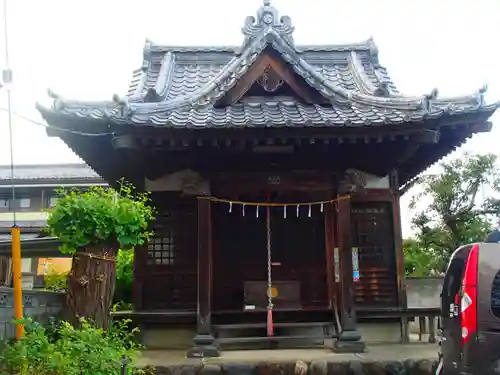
x=47 y=126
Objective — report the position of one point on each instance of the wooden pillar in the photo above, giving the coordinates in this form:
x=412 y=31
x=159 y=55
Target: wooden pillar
x=398 y=245
x=329 y=254
x=204 y=342
x=349 y=340
x=140 y=255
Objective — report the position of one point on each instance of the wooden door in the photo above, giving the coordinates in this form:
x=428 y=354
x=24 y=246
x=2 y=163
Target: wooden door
x=297 y=252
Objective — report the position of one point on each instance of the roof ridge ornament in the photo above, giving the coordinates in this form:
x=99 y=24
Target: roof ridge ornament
x=428 y=100
x=268 y=19
x=122 y=105
x=480 y=93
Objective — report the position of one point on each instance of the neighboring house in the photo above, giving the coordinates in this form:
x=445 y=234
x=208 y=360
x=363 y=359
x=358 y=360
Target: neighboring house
x=35 y=192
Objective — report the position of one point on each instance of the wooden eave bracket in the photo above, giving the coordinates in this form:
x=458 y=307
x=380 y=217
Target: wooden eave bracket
x=426 y=136
x=482 y=127
x=124 y=141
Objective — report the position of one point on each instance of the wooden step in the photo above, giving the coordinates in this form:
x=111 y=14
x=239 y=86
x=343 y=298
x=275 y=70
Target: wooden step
x=242 y=340
x=221 y=327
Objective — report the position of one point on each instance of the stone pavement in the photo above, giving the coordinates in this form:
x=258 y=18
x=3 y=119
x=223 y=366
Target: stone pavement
x=415 y=358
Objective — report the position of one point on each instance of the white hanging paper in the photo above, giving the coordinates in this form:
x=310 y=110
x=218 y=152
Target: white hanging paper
x=230 y=207
x=310 y=208
x=298 y=210
x=257 y=212
x=321 y=207
x=243 y=210
x=284 y=212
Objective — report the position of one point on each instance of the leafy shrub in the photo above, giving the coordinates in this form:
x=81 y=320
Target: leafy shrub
x=57 y=282
x=122 y=306
x=101 y=215
x=93 y=225
x=124 y=276
x=62 y=349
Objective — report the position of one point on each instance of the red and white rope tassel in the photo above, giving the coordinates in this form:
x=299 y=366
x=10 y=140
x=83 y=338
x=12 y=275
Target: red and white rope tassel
x=270 y=324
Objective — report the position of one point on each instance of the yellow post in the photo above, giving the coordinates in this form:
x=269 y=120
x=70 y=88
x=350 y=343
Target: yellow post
x=16 y=275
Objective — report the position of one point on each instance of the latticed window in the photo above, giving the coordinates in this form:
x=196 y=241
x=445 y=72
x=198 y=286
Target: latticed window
x=161 y=251
x=162 y=247
x=373 y=235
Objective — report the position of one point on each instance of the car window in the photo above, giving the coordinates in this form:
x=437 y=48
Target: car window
x=452 y=283
x=495 y=296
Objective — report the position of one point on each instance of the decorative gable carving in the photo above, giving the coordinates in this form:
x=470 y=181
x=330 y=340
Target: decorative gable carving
x=270 y=72
x=270 y=80
x=354 y=180
x=186 y=181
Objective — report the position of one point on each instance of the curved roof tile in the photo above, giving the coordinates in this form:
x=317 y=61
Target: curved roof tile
x=178 y=86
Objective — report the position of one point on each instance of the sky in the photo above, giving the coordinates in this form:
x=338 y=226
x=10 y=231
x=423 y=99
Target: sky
x=87 y=50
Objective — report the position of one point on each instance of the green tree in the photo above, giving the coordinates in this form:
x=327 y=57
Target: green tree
x=93 y=225
x=124 y=277
x=455 y=214
x=418 y=260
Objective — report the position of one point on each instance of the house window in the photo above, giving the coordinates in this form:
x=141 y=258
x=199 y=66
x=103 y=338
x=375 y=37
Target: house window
x=52 y=201
x=24 y=203
x=4 y=203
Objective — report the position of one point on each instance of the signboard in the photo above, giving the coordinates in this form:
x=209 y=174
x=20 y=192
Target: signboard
x=336 y=264
x=355 y=276
x=355 y=264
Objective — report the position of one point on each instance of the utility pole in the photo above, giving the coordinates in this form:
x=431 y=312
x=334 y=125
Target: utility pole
x=16 y=232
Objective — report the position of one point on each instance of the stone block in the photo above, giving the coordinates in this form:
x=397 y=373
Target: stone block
x=210 y=370
x=239 y=369
x=318 y=368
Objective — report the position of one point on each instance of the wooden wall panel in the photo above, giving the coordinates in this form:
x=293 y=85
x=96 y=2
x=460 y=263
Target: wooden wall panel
x=170 y=267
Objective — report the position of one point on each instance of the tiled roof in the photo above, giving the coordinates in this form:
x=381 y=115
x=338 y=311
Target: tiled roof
x=34 y=247
x=49 y=172
x=190 y=69
x=280 y=111
x=24 y=223
x=178 y=86
x=24 y=236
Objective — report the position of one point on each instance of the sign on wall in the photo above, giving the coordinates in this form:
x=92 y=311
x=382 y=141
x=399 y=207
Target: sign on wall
x=355 y=264
x=336 y=264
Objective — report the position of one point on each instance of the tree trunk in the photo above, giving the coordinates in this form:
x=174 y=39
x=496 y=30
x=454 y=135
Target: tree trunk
x=91 y=284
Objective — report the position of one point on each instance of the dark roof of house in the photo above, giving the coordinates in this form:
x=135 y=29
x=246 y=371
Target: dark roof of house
x=33 y=247
x=35 y=224
x=178 y=86
x=48 y=172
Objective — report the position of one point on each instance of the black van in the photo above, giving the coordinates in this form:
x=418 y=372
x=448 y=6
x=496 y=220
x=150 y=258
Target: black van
x=470 y=311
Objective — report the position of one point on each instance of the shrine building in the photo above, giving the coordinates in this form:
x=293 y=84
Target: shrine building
x=277 y=170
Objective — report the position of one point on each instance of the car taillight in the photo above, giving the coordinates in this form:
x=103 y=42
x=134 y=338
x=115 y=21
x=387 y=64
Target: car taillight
x=469 y=296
